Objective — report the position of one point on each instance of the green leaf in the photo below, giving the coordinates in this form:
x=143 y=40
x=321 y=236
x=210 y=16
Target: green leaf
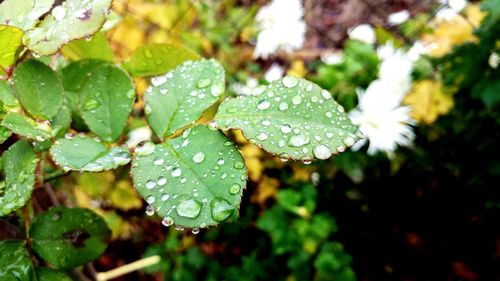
x=50 y=274
x=73 y=19
x=95 y=48
x=292 y=118
x=26 y=127
x=7 y=96
x=10 y=45
x=106 y=99
x=15 y=262
x=192 y=181
x=69 y=237
x=4 y=134
x=61 y=122
x=179 y=97
x=82 y=153
x=38 y=89
x=19 y=164
x=156 y=59
x=23 y=14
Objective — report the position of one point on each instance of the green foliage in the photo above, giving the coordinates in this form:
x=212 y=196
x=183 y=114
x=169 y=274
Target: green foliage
x=96 y=48
x=106 y=99
x=26 y=127
x=193 y=181
x=38 y=89
x=179 y=97
x=156 y=59
x=73 y=19
x=85 y=154
x=292 y=118
x=15 y=262
x=51 y=274
x=68 y=237
x=19 y=163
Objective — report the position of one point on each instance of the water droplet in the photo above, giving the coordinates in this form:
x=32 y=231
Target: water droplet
x=326 y=95
x=262 y=136
x=341 y=149
x=161 y=181
x=309 y=88
x=220 y=161
x=158 y=161
x=145 y=149
x=91 y=104
x=150 y=210
x=203 y=83
x=283 y=106
x=348 y=141
x=176 y=172
x=264 y=104
x=298 y=140
x=322 y=152
x=329 y=135
x=167 y=221
x=164 y=197
x=266 y=123
x=150 y=184
x=212 y=125
x=296 y=100
x=189 y=208
x=158 y=81
x=217 y=90
x=235 y=188
x=259 y=90
x=328 y=114
x=198 y=157
x=147 y=109
x=195 y=230
x=290 y=81
x=57 y=216
x=285 y=129
x=239 y=165
x=150 y=199
x=221 y=209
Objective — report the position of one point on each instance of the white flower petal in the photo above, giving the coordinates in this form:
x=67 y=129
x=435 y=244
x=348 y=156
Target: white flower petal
x=363 y=32
x=399 y=17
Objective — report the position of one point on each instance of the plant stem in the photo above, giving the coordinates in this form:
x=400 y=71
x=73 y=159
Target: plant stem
x=125 y=269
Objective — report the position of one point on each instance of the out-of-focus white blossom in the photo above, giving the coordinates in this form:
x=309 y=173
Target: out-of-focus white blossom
x=382 y=119
x=396 y=71
x=275 y=72
x=494 y=60
x=363 y=32
x=244 y=89
x=138 y=135
x=417 y=50
x=333 y=58
x=399 y=17
x=455 y=5
x=281 y=27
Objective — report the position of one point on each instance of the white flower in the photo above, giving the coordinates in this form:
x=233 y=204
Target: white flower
x=244 y=89
x=395 y=70
x=417 y=50
x=494 y=60
x=363 y=32
x=333 y=58
x=275 y=72
x=281 y=27
x=382 y=119
x=455 y=5
x=399 y=17
x=138 y=135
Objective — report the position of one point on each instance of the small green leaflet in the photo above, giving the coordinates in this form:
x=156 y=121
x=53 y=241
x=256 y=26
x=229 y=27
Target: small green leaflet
x=96 y=48
x=69 y=237
x=73 y=19
x=82 y=153
x=19 y=163
x=195 y=180
x=10 y=45
x=292 y=118
x=15 y=262
x=179 y=98
x=26 y=127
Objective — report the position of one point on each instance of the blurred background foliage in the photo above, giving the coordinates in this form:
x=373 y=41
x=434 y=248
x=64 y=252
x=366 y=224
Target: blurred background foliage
x=428 y=211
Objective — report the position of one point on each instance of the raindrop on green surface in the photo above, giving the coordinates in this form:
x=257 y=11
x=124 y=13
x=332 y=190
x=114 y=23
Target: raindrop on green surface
x=189 y=208
x=221 y=209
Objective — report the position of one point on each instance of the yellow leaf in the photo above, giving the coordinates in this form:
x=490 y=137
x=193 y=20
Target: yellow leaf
x=302 y=173
x=474 y=14
x=253 y=159
x=428 y=101
x=124 y=197
x=127 y=37
x=447 y=34
x=297 y=69
x=266 y=189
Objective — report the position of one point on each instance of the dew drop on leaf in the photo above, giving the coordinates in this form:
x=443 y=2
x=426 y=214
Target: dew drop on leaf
x=188 y=208
x=167 y=221
x=221 y=209
x=198 y=157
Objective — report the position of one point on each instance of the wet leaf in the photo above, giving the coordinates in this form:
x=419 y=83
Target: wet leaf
x=23 y=14
x=15 y=262
x=179 y=97
x=10 y=45
x=106 y=99
x=4 y=134
x=7 y=95
x=19 y=163
x=156 y=59
x=38 y=89
x=69 y=237
x=96 y=48
x=26 y=127
x=193 y=181
x=292 y=118
x=61 y=122
x=50 y=274
x=82 y=153
x=73 y=19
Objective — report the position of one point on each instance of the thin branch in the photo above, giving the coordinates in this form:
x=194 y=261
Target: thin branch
x=125 y=269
